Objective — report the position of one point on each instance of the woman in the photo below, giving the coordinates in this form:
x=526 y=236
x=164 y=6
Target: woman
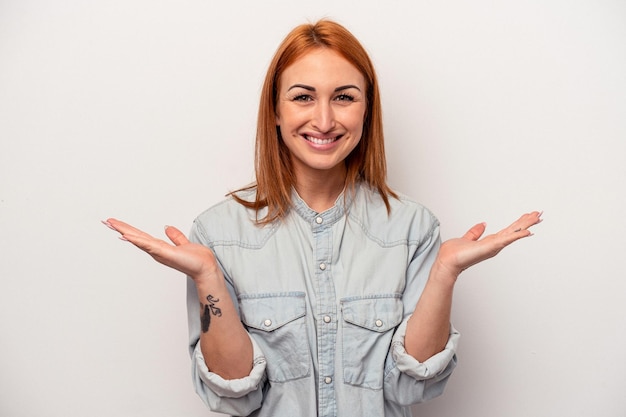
x=318 y=290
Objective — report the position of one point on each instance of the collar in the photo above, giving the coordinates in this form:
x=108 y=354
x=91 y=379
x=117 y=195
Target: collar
x=328 y=217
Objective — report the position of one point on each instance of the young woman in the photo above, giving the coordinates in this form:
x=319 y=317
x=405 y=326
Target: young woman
x=318 y=291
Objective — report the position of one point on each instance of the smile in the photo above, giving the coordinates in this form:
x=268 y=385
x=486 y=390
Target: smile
x=321 y=141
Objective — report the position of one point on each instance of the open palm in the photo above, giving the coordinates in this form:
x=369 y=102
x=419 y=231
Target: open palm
x=456 y=255
x=189 y=258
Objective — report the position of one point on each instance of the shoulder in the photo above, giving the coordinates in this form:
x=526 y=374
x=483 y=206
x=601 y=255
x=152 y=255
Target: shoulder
x=408 y=221
x=230 y=223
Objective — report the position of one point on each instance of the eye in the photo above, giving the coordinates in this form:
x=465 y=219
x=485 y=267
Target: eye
x=344 y=97
x=302 y=97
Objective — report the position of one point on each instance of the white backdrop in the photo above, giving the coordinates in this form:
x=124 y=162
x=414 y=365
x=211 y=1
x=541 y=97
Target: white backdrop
x=145 y=110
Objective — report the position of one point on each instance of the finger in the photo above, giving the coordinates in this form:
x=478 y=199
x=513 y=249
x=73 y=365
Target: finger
x=131 y=234
x=123 y=228
x=152 y=246
x=519 y=228
x=475 y=232
x=526 y=221
x=176 y=236
x=108 y=224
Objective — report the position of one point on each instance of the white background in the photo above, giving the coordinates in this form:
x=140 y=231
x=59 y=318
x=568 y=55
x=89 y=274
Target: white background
x=145 y=110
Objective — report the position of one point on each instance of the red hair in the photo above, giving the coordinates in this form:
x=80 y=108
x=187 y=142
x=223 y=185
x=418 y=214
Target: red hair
x=275 y=177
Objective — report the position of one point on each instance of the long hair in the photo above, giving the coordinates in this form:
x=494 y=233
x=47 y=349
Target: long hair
x=275 y=176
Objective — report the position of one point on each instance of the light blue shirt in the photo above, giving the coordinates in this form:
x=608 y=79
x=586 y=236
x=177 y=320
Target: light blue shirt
x=325 y=298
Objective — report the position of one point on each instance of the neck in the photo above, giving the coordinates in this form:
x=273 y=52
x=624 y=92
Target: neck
x=320 y=191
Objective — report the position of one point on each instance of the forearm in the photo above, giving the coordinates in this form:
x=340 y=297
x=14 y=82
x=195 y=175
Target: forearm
x=429 y=326
x=224 y=342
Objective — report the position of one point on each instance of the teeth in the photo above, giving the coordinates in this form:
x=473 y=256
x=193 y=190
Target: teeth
x=319 y=141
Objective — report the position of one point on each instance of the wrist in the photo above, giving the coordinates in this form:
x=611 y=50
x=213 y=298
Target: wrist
x=209 y=282
x=443 y=275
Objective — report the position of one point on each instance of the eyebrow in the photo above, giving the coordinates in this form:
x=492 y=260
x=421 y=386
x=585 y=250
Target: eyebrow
x=310 y=88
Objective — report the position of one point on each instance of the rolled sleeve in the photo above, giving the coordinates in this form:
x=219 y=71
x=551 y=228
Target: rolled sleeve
x=237 y=396
x=409 y=381
x=432 y=366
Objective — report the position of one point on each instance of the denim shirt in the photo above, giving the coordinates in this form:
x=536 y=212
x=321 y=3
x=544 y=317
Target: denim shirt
x=325 y=298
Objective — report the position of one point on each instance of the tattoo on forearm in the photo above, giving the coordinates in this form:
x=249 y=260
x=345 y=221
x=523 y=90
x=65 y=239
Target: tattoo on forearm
x=207 y=310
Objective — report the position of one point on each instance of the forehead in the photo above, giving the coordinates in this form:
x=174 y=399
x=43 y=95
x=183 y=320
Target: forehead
x=321 y=66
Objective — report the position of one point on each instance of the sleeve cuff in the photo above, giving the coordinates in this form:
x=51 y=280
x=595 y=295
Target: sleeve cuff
x=432 y=366
x=232 y=388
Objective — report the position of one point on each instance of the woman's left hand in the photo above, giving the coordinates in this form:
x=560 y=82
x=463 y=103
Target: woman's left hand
x=456 y=255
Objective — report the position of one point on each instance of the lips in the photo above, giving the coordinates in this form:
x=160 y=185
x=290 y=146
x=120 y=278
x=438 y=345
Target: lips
x=321 y=141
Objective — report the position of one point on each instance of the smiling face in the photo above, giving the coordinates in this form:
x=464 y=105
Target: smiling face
x=320 y=111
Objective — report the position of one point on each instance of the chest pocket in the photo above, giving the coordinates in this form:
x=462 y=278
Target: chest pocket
x=277 y=323
x=367 y=329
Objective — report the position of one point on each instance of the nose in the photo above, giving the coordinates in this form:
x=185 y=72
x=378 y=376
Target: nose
x=323 y=117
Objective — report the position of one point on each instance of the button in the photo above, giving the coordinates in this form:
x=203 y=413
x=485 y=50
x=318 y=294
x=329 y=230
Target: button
x=378 y=323
x=267 y=323
x=322 y=266
x=319 y=220
x=328 y=380
x=326 y=319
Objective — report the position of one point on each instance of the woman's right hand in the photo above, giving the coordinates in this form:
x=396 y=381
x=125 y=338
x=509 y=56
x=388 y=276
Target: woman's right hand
x=224 y=343
x=191 y=259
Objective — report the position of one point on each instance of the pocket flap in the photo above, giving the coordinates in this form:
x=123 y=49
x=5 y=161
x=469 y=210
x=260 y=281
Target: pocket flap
x=268 y=312
x=377 y=314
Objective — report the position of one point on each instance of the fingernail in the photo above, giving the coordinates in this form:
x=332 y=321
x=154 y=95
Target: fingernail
x=107 y=224
x=165 y=227
x=123 y=238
